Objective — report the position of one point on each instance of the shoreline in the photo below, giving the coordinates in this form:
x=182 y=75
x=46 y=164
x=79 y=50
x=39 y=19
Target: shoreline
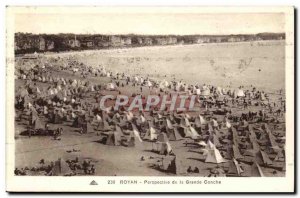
x=125 y=49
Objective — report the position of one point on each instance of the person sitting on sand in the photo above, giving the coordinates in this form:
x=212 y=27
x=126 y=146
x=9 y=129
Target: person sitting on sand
x=85 y=165
x=42 y=161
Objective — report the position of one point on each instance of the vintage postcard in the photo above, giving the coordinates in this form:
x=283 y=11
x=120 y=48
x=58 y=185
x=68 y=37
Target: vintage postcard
x=150 y=99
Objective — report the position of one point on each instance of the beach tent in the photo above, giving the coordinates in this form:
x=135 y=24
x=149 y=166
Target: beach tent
x=170 y=165
x=214 y=156
x=111 y=86
x=209 y=145
x=205 y=92
x=239 y=93
x=199 y=121
x=61 y=168
x=263 y=159
x=151 y=134
x=129 y=116
x=56 y=118
x=214 y=123
x=164 y=84
x=140 y=120
x=262 y=96
x=219 y=91
x=37 y=123
x=173 y=134
x=136 y=132
x=118 y=129
x=136 y=79
x=22 y=92
x=272 y=140
x=216 y=141
x=164 y=148
x=256 y=170
x=149 y=84
x=162 y=137
x=78 y=121
x=113 y=139
x=280 y=157
x=103 y=126
x=193 y=132
x=227 y=124
x=236 y=152
x=185 y=122
x=87 y=127
x=98 y=118
x=169 y=124
x=235 y=168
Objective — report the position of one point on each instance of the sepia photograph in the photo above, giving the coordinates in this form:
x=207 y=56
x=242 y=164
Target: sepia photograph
x=201 y=95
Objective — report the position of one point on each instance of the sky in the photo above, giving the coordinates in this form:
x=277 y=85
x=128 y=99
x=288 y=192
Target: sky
x=149 y=23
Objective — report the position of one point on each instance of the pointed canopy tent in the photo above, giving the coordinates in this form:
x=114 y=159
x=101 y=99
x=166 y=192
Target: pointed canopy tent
x=219 y=91
x=185 y=122
x=199 y=121
x=149 y=84
x=239 y=93
x=236 y=152
x=151 y=134
x=164 y=148
x=256 y=170
x=169 y=165
x=174 y=135
x=61 y=168
x=104 y=126
x=37 y=123
x=205 y=92
x=272 y=140
x=136 y=132
x=169 y=124
x=129 y=116
x=111 y=86
x=216 y=141
x=22 y=92
x=162 y=137
x=118 y=129
x=228 y=124
x=113 y=139
x=262 y=96
x=214 y=123
x=164 y=84
x=194 y=133
x=234 y=168
x=209 y=145
x=214 y=156
x=280 y=156
x=262 y=158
